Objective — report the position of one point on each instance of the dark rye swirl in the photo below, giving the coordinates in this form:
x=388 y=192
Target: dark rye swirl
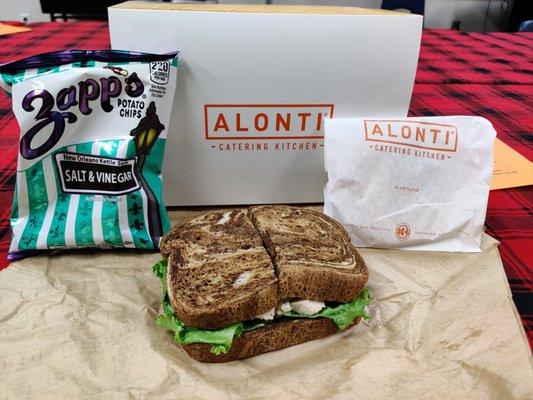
x=218 y=271
x=312 y=254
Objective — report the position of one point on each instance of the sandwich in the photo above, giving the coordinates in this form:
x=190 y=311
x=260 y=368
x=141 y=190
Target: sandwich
x=245 y=282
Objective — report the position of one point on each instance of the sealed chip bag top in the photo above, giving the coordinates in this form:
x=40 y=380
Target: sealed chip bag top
x=413 y=183
x=92 y=137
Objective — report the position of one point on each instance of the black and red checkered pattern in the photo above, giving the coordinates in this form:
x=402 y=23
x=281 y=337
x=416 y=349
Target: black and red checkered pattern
x=508 y=107
x=457 y=57
x=459 y=74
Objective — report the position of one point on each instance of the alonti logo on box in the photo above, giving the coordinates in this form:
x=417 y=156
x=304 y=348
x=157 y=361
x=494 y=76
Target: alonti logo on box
x=418 y=134
x=265 y=121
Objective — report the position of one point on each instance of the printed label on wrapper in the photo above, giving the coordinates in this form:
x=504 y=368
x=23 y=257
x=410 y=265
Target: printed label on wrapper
x=413 y=183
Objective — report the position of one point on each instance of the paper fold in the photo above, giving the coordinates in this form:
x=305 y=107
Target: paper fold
x=444 y=326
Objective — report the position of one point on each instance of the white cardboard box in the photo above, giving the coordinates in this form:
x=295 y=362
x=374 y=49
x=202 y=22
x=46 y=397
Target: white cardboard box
x=255 y=84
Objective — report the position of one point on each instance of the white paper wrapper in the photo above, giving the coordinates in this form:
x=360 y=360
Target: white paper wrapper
x=415 y=183
x=82 y=326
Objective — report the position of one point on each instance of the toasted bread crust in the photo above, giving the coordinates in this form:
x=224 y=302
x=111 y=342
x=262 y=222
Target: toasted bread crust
x=213 y=234
x=319 y=263
x=276 y=336
x=218 y=271
x=238 y=308
x=301 y=282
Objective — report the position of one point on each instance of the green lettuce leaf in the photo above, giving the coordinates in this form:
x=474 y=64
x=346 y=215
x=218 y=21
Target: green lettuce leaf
x=160 y=270
x=344 y=314
x=221 y=340
x=218 y=349
x=169 y=322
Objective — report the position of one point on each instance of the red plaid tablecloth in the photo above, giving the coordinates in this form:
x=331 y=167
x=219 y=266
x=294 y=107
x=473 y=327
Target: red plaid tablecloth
x=459 y=73
x=457 y=57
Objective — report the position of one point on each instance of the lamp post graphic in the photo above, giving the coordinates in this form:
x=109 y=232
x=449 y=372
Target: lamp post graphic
x=145 y=135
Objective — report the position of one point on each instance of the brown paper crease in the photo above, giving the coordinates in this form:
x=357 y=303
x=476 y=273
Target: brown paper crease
x=444 y=326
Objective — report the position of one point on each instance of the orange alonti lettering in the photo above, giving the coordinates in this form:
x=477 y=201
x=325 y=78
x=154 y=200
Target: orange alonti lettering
x=376 y=130
x=285 y=122
x=240 y=128
x=221 y=123
x=264 y=127
x=304 y=116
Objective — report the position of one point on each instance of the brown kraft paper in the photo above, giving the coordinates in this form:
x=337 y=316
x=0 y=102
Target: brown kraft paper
x=81 y=326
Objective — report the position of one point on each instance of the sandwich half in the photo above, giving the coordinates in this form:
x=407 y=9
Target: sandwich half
x=245 y=282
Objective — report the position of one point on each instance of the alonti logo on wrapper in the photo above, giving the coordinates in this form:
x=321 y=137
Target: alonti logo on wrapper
x=416 y=134
x=265 y=121
x=403 y=231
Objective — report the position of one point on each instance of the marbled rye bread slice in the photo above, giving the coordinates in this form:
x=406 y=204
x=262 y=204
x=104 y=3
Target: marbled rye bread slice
x=312 y=254
x=218 y=271
x=215 y=231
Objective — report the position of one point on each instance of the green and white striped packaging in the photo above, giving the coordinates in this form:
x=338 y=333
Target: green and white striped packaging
x=93 y=132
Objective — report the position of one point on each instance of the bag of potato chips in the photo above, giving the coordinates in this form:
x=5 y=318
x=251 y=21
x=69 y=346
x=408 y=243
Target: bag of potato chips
x=92 y=137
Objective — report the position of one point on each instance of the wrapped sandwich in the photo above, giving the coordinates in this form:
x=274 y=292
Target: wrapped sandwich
x=244 y=282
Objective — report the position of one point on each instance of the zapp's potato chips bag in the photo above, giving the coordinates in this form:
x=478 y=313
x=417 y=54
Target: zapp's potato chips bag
x=92 y=136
